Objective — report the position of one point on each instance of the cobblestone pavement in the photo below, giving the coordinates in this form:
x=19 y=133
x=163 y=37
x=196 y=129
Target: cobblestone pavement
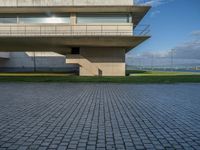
x=99 y=116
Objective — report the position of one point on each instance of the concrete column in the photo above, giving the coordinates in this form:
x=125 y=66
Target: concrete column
x=73 y=18
x=100 y=61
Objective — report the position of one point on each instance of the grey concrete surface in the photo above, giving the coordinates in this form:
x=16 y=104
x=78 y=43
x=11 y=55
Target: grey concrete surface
x=44 y=61
x=99 y=116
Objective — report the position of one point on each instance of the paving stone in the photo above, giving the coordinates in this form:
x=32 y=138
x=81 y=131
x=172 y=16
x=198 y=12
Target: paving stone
x=62 y=148
x=23 y=148
x=84 y=116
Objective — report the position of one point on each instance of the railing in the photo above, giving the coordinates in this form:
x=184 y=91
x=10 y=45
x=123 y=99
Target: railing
x=71 y=30
x=32 y=3
x=142 y=30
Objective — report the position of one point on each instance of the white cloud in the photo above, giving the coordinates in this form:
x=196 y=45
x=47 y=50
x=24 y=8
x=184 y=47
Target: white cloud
x=153 y=3
x=154 y=54
x=189 y=50
x=154 y=13
x=196 y=33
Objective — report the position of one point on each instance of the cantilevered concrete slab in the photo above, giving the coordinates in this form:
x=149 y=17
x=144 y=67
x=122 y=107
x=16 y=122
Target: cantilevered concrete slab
x=63 y=43
x=76 y=9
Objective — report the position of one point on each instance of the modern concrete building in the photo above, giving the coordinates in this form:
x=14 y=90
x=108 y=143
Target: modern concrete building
x=95 y=34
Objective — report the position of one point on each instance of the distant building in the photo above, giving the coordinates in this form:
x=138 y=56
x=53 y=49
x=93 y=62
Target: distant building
x=94 y=34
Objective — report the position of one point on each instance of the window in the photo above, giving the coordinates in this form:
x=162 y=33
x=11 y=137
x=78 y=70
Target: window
x=43 y=19
x=75 y=50
x=8 y=20
x=103 y=18
x=34 y=19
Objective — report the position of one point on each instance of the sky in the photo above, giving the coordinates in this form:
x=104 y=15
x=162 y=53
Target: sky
x=174 y=24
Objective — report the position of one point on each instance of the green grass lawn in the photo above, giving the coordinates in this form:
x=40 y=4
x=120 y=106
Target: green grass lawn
x=159 y=73
x=134 y=77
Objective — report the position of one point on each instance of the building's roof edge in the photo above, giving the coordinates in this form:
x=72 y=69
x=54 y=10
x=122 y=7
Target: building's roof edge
x=71 y=9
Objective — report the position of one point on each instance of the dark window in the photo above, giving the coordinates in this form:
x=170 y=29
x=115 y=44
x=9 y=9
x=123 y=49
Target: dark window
x=76 y=50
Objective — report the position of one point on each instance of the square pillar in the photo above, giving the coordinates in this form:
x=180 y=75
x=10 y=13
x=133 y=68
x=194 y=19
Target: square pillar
x=102 y=62
x=99 y=61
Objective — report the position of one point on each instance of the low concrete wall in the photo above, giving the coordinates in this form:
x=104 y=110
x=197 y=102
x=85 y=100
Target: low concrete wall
x=22 y=62
x=40 y=69
x=4 y=55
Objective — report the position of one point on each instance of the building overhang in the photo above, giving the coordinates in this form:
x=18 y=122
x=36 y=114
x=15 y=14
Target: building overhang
x=64 y=43
x=76 y=9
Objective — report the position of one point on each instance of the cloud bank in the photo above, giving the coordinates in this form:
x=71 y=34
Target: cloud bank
x=185 y=53
x=190 y=49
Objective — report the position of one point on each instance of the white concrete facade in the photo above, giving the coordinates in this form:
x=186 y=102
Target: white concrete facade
x=94 y=34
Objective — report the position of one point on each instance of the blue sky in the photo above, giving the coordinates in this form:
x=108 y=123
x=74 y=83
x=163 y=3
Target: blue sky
x=174 y=24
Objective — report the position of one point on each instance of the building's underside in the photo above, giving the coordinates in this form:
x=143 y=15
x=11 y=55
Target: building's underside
x=64 y=44
x=95 y=52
